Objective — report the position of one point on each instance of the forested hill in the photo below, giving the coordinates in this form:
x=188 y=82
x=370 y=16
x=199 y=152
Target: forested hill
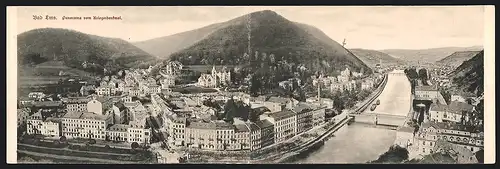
x=273 y=39
x=458 y=58
x=74 y=48
x=427 y=55
x=469 y=76
x=373 y=57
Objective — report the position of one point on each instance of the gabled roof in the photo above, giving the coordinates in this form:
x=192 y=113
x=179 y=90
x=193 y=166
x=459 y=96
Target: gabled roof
x=241 y=128
x=224 y=125
x=264 y=123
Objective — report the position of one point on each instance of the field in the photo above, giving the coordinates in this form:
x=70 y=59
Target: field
x=48 y=73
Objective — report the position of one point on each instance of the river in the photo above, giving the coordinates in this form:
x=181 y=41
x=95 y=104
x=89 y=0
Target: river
x=355 y=143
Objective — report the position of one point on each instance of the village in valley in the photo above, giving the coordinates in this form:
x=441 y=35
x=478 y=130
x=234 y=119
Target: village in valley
x=222 y=101
x=132 y=109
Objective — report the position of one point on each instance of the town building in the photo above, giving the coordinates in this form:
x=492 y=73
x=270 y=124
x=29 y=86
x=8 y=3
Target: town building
x=167 y=82
x=216 y=78
x=431 y=133
x=225 y=136
x=283 y=102
x=138 y=133
x=49 y=127
x=36 y=95
x=304 y=117
x=267 y=133
x=242 y=136
x=176 y=129
x=318 y=115
x=452 y=112
x=255 y=135
x=22 y=116
x=77 y=104
x=117 y=132
x=84 y=125
x=285 y=124
x=201 y=135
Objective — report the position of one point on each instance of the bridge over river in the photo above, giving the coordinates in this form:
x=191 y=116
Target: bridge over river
x=362 y=141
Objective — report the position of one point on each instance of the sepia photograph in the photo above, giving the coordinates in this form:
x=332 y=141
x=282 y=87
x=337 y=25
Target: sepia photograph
x=251 y=84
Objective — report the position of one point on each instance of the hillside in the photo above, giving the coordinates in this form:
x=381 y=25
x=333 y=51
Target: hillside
x=469 y=75
x=373 y=57
x=164 y=46
x=457 y=58
x=74 y=48
x=427 y=55
x=288 y=42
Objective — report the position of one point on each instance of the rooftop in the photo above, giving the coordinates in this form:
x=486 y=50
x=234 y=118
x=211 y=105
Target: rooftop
x=299 y=108
x=92 y=116
x=73 y=115
x=253 y=126
x=241 y=128
x=282 y=114
x=53 y=120
x=453 y=107
x=202 y=125
x=279 y=100
x=78 y=99
x=224 y=125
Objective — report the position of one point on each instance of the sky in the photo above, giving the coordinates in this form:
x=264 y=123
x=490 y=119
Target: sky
x=369 y=27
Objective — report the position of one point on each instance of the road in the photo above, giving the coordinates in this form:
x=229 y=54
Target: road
x=103 y=161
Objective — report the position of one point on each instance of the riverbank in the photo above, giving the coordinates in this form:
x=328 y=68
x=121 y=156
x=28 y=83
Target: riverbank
x=297 y=145
x=315 y=144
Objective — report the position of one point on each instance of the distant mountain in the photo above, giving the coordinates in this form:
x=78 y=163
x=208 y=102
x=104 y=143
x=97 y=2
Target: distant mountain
x=289 y=42
x=427 y=55
x=457 y=58
x=163 y=47
x=469 y=75
x=373 y=57
x=75 y=48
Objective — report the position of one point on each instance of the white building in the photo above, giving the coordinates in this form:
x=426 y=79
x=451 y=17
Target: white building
x=167 y=82
x=77 y=104
x=451 y=112
x=84 y=125
x=36 y=125
x=216 y=78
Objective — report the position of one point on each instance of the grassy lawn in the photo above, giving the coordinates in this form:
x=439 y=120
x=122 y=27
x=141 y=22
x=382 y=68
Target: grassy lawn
x=86 y=151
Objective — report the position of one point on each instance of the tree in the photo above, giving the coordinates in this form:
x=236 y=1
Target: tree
x=62 y=139
x=395 y=154
x=92 y=141
x=422 y=75
x=255 y=85
x=446 y=95
x=229 y=110
x=134 y=145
